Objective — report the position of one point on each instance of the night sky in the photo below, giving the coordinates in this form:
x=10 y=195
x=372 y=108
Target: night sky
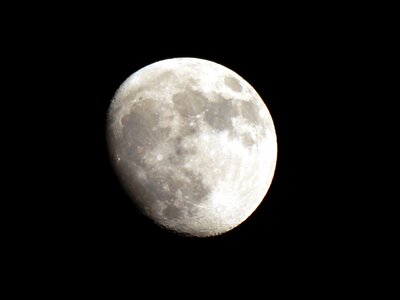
x=303 y=66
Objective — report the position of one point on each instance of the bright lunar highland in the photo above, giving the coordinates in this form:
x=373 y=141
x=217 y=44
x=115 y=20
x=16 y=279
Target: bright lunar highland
x=193 y=145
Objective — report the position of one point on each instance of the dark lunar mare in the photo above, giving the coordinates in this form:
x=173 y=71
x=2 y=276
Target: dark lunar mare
x=138 y=138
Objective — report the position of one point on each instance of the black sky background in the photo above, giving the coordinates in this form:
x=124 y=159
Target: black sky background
x=306 y=66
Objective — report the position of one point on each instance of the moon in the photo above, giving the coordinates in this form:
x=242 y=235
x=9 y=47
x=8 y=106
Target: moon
x=193 y=145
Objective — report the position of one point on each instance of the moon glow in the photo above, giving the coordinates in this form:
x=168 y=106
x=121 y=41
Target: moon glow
x=193 y=144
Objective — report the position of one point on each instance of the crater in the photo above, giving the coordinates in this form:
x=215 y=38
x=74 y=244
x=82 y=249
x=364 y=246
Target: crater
x=233 y=83
x=189 y=102
x=180 y=151
x=219 y=115
x=172 y=212
x=189 y=128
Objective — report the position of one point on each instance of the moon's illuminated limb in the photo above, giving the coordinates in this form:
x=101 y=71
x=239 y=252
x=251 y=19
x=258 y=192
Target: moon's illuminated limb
x=193 y=144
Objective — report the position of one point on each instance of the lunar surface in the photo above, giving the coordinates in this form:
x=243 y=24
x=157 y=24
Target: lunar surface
x=193 y=144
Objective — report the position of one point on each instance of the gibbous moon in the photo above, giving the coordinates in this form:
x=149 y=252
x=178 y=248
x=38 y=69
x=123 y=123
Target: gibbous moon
x=193 y=144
